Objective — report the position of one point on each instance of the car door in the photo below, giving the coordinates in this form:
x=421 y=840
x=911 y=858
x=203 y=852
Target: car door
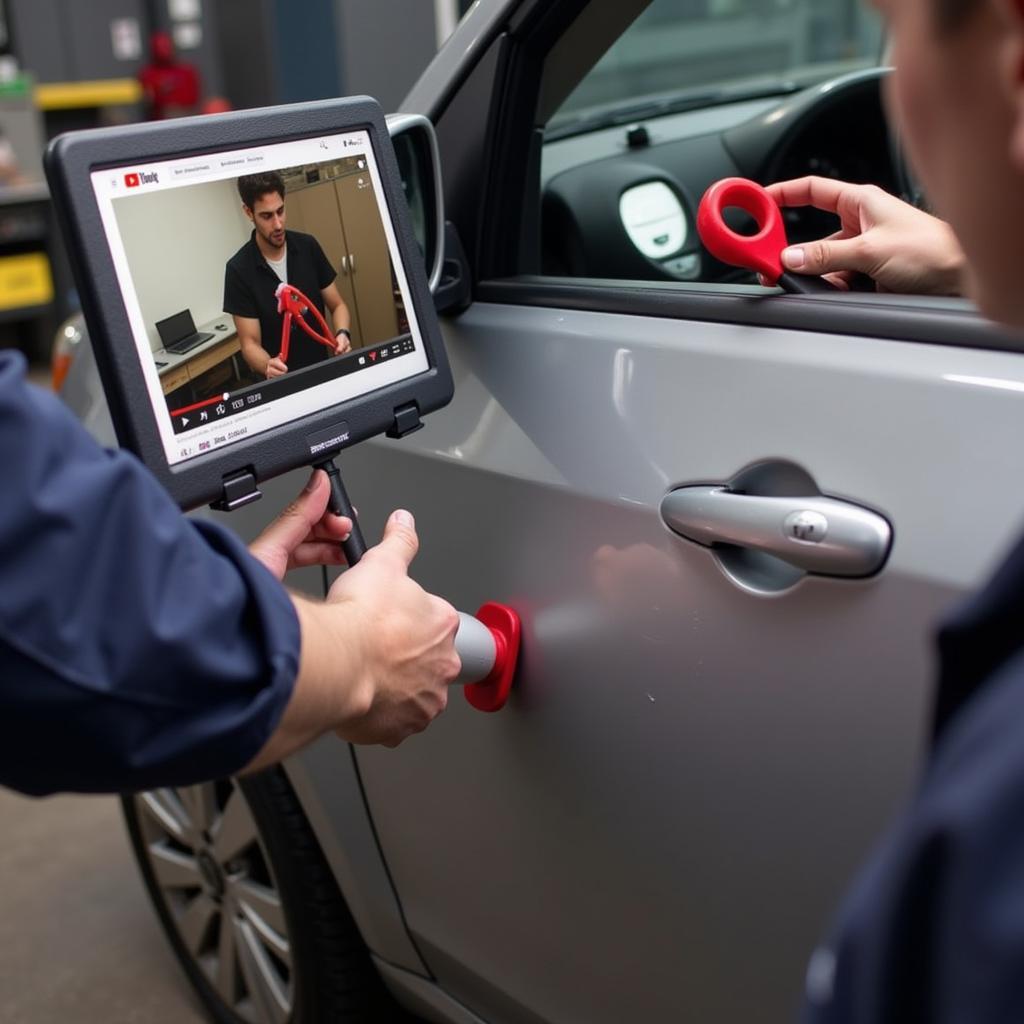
x=698 y=750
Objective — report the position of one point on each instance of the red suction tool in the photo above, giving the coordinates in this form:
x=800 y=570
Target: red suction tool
x=760 y=252
x=489 y=647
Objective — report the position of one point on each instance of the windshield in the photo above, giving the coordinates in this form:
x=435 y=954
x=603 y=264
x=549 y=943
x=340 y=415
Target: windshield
x=716 y=49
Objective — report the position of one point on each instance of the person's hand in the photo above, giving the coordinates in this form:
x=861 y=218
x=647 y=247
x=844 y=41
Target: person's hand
x=342 y=344
x=901 y=248
x=305 y=533
x=405 y=640
x=277 y=367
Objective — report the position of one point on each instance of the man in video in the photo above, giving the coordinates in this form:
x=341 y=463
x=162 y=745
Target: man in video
x=272 y=256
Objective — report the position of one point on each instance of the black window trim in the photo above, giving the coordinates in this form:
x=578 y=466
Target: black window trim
x=892 y=317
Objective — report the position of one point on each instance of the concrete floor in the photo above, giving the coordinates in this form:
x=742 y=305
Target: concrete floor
x=78 y=941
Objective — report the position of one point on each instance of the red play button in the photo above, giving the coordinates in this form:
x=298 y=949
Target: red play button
x=131 y=180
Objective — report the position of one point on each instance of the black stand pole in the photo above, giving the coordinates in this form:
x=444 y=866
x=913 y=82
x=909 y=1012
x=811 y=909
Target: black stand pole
x=355 y=546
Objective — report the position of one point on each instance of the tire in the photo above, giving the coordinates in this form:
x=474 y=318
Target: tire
x=236 y=877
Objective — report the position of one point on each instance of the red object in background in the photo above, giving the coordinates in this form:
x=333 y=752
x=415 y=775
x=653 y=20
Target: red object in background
x=215 y=105
x=170 y=86
x=759 y=252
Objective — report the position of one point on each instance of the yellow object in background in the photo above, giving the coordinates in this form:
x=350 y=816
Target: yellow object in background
x=103 y=93
x=25 y=280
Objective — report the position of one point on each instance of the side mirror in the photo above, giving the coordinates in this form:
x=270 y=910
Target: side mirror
x=419 y=163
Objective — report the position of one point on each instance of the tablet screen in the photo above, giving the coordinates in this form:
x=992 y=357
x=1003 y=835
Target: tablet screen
x=203 y=248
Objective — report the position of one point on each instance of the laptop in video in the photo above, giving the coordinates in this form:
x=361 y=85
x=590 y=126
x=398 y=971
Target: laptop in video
x=179 y=334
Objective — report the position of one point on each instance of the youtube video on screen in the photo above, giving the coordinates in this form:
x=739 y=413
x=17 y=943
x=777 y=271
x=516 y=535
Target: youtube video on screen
x=261 y=285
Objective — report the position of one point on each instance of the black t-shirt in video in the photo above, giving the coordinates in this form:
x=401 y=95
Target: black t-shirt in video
x=250 y=284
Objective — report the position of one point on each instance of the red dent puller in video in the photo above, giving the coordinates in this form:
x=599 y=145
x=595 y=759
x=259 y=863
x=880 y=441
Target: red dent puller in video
x=760 y=252
x=294 y=304
x=487 y=643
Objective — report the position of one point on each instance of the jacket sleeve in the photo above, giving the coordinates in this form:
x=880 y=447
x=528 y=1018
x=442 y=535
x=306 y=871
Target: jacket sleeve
x=138 y=648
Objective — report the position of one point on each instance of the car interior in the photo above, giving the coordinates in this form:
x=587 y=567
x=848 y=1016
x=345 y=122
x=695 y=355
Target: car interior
x=623 y=166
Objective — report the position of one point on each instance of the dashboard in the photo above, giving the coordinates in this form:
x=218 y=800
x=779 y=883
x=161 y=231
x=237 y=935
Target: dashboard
x=621 y=202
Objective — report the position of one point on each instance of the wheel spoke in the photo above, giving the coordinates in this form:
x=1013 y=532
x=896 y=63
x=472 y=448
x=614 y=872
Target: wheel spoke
x=261 y=978
x=260 y=903
x=164 y=808
x=174 y=870
x=194 y=923
x=262 y=909
x=201 y=804
x=227 y=958
x=236 y=829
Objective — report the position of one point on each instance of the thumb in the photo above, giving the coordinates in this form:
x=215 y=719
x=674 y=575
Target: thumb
x=827 y=256
x=400 y=537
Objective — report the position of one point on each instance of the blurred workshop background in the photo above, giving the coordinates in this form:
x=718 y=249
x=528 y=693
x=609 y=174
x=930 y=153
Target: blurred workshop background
x=78 y=938
x=70 y=64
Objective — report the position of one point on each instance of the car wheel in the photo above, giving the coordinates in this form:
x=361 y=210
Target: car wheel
x=250 y=906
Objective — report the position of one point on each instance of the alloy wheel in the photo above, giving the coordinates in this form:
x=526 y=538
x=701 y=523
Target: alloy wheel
x=214 y=876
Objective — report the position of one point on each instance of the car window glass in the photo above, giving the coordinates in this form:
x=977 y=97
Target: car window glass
x=696 y=90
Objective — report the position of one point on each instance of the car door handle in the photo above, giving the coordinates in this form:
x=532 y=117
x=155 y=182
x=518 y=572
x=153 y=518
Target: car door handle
x=816 y=534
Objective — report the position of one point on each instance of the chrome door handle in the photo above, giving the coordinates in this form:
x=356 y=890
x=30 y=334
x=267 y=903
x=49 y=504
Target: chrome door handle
x=344 y=265
x=813 y=533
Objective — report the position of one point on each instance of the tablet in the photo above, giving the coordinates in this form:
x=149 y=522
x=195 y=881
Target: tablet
x=253 y=289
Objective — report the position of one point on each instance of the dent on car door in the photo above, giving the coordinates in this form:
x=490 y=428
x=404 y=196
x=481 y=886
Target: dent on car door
x=694 y=759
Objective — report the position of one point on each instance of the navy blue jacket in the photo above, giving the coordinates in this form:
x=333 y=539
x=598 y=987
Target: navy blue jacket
x=933 y=930
x=138 y=648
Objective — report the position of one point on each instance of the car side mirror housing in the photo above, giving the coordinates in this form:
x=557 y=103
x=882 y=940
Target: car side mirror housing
x=419 y=164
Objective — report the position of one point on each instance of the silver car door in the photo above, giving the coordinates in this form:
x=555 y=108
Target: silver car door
x=700 y=748
x=658 y=823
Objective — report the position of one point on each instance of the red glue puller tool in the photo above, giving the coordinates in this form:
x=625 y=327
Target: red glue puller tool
x=487 y=643
x=293 y=303
x=760 y=252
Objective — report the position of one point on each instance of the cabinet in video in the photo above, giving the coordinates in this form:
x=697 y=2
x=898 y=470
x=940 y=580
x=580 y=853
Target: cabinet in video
x=270 y=283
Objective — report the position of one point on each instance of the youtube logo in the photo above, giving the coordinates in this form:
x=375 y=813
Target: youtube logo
x=131 y=180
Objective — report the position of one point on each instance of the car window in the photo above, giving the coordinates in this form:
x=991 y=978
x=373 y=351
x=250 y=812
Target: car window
x=692 y=91
x=685 y=53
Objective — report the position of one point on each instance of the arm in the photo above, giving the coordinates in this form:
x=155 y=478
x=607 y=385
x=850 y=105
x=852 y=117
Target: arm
x=140 y=648
x=339 y=317
x=255 y=355
x=901 y=248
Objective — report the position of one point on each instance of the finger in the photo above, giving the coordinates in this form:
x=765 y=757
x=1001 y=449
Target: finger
x=332 y=527
x=841 y=280
x=826 y=256
x=316 y=553
x=400 y=540
x=823 y=193
x=293 y=525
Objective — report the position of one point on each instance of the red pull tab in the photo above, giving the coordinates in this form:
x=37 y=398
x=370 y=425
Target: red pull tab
x=760 y=252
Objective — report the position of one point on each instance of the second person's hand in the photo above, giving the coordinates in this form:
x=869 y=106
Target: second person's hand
x=901 y=248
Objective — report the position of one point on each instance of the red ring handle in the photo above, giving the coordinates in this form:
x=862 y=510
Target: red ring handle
x=759 y=252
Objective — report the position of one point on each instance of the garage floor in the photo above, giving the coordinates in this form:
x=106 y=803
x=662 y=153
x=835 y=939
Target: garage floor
x=78 y=941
